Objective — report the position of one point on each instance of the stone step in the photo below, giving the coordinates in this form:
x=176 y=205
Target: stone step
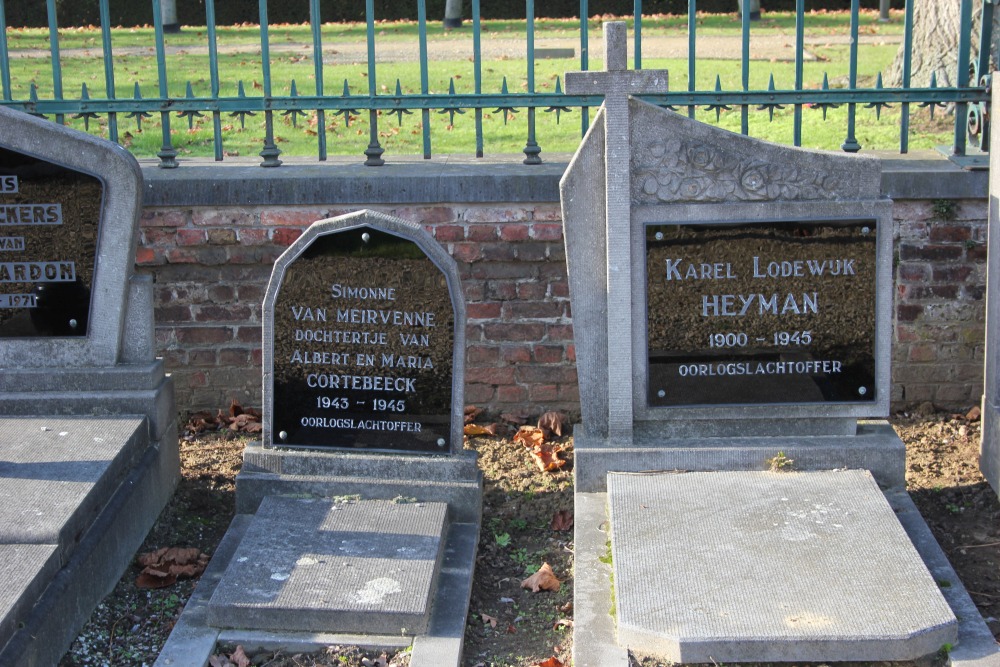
x=304 y=564
x=769 y=567
x=463 y=497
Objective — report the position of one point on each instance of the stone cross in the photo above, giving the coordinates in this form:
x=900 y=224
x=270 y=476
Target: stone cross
x=616 y=83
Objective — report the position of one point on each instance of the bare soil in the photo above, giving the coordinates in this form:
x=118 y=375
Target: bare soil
x=510 y=626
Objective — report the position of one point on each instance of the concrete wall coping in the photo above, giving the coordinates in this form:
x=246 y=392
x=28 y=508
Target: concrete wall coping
x=460 y=179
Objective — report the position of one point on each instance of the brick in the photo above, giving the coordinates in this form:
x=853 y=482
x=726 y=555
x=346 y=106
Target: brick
x=147 y=257
x=483 y=311
x=478 y=394
x=530 y=374
x=544 y=392
x=515 y=331
x=548 y=354
x=249 y=334
x=501 y=270
x=514 y=232
x=254 y=293
x=162 y=218
x=257 y=357
x=495 y=214
x=569 y=393
x=482 y=354
x=532 y=252
x=285 y=237
x=195 y=237
x=555 y=332
x=449 y=233
x=473 y=291
x=424 y=215
x=908 y=312
x=972 y=209
x=512 y=394
x=922 y=353
x=950 y=273
x=571 y=353
x=518 y=310
x=531 y=291
x=159 y=236
x=949 y=233
x=253 y=236
x=197 y=379
x=221 y=236
x=559 y=288
x=909 y=251
x=499 y=252
x=291 y=217
x=495 y=376
x=175 y=313
x=466 y=252
x=912 y=210
x=210 y=313
x=204 y=335
x=203 y=357
x=546 y=232
x=515 y=354
x=913 y=271
x=547 y=213
x=182 y=256
x=501 y=290
x=976 y=253
x=234 y=356
x=221 y=293
x=481 y=233
x=223 y=217
x=918 y=292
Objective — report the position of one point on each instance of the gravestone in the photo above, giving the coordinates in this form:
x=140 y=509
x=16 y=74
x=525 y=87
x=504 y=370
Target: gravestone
x=359 y=509
x=732 y=308
x=989 y=460
x=88 y=432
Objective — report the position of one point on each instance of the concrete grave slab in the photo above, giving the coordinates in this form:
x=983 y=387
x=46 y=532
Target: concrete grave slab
x=25 y=570
x=769 y=567
x=321 y=565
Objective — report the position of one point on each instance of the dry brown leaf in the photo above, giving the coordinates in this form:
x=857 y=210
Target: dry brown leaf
x=235 y=409
x=162 y=567
x=471 y=413
x=973 y=414
x=562 y=520
x=543 y=580
x=551 y=421
x=549 y=662
x=149 y=580
x=512 y=418
x=546 y=457
x=219 y=661
x=239 y=657
x=473 y=430
x=567 y=608
x=563 y=623
x=529 y=436
x=489 y=619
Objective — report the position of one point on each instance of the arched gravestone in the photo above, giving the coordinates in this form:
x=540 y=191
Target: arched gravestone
x=362 y=347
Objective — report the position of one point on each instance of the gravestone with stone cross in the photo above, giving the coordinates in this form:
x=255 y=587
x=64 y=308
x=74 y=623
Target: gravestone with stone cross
x=616 y=83
x=755 y=282
x=358 y=513
x=88 y=430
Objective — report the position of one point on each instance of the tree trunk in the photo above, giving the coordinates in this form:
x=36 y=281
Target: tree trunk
x=936 y=26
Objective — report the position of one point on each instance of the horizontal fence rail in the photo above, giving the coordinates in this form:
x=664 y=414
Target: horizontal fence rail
x=320 y=105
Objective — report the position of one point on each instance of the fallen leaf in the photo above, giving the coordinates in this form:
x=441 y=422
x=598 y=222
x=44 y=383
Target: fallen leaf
x=551 y=421
x=973 y=414
x=511 y=630
x=549 y=662
x=543 y=580
x=473 y=430
x=546 y=457
x=567 y=608
x=529 y=436
x=471 y=413
x=164 y=566
x=489 y=619
x=219 y=661
x=239 y=657
x=513 y=418
x=562 y=520
x=563 y=623
x=235 y=409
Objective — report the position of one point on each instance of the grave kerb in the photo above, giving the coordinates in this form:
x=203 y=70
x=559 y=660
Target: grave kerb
x=400 y=228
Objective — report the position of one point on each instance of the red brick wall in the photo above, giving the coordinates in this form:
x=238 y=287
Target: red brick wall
x=212 y=265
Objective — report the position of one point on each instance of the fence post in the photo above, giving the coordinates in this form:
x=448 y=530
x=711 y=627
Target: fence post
x=453 y=14
x=168 y=12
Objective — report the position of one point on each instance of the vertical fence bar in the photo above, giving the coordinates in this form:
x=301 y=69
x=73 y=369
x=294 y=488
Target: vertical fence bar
x=57 y=89
x=425 y=114
x=584 y=58
x=477 y=66
x=109 y=67
x=904 y=114
x=800 y=16
x=317 y=34
x=213 y=72
x=637 y=33
x=167 y=154
x=374 y=150
x=531 y=147
x=962 y=78
x=745 y=69
x=851 y=144
x=692 y=49
x=4 y=56
x=982 y=69
x=271 y=150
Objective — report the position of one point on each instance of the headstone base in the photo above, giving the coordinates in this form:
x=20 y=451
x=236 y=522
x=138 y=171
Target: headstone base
x=875 y=447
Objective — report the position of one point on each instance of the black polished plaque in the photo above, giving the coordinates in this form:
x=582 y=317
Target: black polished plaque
x=363 y=344
x=49 y=216
x=761 y=313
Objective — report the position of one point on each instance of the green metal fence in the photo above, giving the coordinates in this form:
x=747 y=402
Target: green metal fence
x=385 y=99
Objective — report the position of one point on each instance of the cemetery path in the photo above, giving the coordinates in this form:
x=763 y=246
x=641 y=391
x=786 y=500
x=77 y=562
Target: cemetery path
x=508 y=625
x=495 y=46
